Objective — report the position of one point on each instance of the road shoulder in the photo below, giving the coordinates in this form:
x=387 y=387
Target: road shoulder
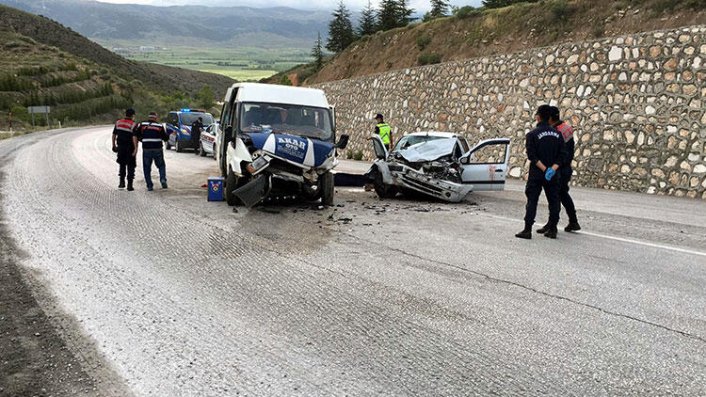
x=41 y=355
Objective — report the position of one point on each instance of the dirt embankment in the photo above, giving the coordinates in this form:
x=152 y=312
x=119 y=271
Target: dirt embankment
x=507 y=30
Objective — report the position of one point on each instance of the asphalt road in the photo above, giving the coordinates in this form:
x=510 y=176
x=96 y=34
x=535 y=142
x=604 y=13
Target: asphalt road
x=179 y=296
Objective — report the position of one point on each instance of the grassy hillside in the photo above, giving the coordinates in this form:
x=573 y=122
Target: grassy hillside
x=475 y=33
x=45 y=63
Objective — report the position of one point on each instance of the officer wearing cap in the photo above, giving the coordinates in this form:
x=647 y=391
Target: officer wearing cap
x=123 y=145
x=545 y=151
x=384 y=131
x=565 y=172
x=152 y=133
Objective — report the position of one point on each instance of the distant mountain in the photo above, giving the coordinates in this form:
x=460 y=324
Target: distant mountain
x=45 y=63
x=183 y=25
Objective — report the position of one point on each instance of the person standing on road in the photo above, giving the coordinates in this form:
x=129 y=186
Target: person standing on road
x=545 y=151
x=384 y=131
x=565 y=172
x=152 y=133
x=123 y=145
x=196 y=128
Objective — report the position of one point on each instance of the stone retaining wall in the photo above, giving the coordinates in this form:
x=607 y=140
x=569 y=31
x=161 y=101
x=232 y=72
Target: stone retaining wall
x=636 y=103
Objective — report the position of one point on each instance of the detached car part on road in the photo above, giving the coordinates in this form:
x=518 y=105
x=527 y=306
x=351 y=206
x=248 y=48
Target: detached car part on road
x=277 y=140
x=439 y=165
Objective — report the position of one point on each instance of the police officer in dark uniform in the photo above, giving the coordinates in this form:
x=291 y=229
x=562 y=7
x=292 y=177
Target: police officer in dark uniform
x=123 y=145
x=565 y=172
x=152 y=133
x=545 y=151
x=196 y=128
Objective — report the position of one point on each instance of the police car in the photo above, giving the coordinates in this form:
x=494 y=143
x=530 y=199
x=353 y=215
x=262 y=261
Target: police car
x=179 y=128
x=207 y=146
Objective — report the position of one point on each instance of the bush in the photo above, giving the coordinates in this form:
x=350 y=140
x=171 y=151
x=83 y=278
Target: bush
x=467 y=12
x=423 y=41
x=429 y=59
x=285 y=80
x=13 y=83
x=598 y=30
x=358 y=155
x=561 y=9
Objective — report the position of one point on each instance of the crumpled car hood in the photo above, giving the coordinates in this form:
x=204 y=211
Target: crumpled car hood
x=428 y=151
x=298 y=149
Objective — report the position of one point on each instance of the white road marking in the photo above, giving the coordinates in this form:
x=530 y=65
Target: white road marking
x=615 y=238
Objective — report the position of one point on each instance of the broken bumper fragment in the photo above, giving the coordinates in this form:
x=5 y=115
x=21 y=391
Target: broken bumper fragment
x=441 y=189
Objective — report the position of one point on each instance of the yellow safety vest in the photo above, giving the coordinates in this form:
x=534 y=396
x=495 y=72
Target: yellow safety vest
x=385 y=132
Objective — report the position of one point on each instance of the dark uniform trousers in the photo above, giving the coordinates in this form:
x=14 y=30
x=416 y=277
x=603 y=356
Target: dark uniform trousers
x=533 y=189
x=566 y=201
x=126 y=160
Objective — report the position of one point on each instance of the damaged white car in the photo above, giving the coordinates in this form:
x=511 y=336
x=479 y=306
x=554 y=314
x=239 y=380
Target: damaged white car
x=440 y=165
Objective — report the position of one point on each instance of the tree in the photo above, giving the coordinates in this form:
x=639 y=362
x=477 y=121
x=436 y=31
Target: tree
x=394 y=14
x=439 y=8
x=404 y=13
x=340 y=30
x=318 y=53
x=366 y=23
x=387 y=17
x=205 y=97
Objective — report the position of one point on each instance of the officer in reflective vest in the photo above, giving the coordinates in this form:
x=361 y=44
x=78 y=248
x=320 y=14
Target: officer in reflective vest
x=123 y=145
x=384 y=131
x=152 y=133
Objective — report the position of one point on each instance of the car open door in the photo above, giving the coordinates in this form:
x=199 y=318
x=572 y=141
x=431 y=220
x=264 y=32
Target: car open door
x=379 y=147
x=485 y=165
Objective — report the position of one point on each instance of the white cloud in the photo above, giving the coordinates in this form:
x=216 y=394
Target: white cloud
x=418 y=5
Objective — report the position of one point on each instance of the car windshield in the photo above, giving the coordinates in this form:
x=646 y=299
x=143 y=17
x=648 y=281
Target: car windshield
x=411 y=140
x=189 y=118
x=311 y=122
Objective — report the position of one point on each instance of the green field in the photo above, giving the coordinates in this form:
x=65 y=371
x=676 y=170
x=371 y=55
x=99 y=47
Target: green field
x=242 y=64
x=235 y=73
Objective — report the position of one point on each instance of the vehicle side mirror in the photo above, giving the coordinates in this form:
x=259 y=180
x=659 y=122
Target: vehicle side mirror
x=342 y=141
x=228 y=133
x=465 y=160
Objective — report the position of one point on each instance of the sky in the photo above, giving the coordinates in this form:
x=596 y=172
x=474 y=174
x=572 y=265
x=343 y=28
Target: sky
x=419 y=5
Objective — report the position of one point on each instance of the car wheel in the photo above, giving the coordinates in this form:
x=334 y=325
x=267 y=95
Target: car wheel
x=383 y=191
x=202 y=151
x=231 y=184
x=178 y=146
x=327 y=189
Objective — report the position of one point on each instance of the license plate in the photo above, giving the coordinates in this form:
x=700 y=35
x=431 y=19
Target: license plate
x=260 y=163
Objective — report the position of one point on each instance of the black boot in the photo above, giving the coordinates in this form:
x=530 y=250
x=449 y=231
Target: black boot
x=551 y=232
x=129 y=185
x=543 y=229
x=122 y=183
x=572 y=227
x=526 y=233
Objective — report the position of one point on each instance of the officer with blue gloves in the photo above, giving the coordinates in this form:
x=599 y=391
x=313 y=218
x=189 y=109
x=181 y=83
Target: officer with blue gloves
x=545 y=151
